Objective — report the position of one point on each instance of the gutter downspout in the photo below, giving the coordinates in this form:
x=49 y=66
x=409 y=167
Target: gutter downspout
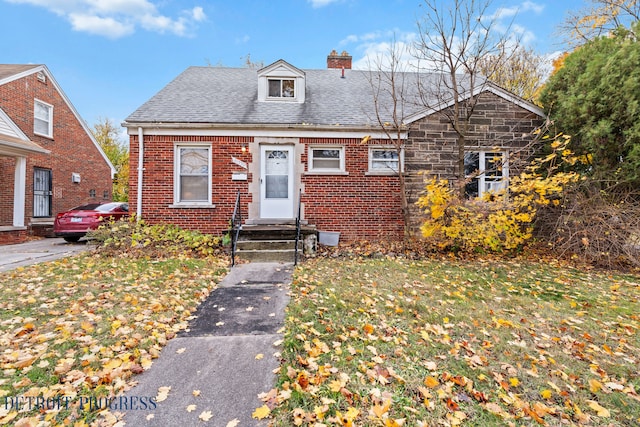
x=140 y=170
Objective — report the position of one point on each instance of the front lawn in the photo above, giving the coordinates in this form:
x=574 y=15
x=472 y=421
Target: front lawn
x=387 y=342
x=74 y=331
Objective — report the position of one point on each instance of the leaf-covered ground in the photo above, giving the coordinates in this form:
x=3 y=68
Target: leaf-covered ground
x=426 y=343
x=74 y=331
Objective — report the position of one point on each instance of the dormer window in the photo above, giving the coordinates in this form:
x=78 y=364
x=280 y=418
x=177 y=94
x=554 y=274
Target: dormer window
x=281 y=82
x=282 y=88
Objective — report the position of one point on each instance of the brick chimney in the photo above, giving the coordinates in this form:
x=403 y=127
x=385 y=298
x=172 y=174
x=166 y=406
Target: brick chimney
x=335 y=60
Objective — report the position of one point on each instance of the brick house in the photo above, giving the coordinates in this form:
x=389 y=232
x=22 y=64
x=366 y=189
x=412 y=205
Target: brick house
x=49 y=161
x=282 y=136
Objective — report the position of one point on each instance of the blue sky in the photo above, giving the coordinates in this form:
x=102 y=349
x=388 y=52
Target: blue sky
x=110 y=56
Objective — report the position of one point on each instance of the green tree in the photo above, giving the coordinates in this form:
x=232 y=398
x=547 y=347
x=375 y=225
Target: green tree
x=108 y=136
x=595 y=98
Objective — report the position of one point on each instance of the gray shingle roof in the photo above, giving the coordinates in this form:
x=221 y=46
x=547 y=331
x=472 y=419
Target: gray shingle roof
x=230 y=96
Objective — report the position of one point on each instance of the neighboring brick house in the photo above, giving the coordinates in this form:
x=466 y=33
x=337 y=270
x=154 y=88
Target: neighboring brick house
x=49 y=161
x=280 y=134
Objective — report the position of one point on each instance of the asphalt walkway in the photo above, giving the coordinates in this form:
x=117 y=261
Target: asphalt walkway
x=224 y=360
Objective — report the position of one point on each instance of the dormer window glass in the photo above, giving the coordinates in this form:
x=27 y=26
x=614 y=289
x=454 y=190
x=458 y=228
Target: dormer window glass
x=282 y=88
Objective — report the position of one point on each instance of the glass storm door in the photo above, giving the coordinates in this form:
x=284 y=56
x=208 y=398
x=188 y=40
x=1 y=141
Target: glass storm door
x=276 y=182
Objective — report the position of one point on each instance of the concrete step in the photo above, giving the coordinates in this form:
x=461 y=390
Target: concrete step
x=266 y=244
x=267 y=255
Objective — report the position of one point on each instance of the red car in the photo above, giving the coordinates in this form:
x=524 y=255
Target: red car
x=74 y=223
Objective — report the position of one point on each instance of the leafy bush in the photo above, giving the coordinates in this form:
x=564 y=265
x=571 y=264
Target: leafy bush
x=138 y=239
x=499 y=221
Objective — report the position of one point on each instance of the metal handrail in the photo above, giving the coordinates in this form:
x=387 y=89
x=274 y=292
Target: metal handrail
x=298 y=227
x=236 y=226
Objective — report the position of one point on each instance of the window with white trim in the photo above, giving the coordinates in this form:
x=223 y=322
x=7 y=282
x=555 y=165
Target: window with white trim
x=326 y=159
x=282 y=88
x=487 y=171
x=192 y=184
x=43 y=118
x=385 y=160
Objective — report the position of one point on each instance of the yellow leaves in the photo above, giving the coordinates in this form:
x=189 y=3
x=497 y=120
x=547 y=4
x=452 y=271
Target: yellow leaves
x=346 y=419
x=163 y=393
x=599 y=410
x=431 y=382
x=195 y=393
x=191 y=408
x=368 y=329
x=261 y=412
x=546 y=394
x=594 y=386
x=205 y=416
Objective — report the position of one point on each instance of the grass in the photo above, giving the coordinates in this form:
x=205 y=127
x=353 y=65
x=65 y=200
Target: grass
x=81 y=327
x=387 y=342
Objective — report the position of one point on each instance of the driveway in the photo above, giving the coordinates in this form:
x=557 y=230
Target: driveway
x=36 y=251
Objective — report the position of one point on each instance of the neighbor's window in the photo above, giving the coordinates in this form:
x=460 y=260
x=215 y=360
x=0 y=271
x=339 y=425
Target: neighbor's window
x=326 y=159
x=43 y=119
x=193 y=174
x=281 y=88
x=384 y=160
x=488 y=172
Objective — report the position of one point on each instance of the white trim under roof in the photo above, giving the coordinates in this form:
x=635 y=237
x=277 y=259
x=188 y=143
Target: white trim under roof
x=190 y=129
x=14 y=142
x=488 y=87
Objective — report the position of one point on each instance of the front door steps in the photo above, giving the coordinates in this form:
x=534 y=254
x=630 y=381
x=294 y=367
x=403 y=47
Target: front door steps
x=275 y=243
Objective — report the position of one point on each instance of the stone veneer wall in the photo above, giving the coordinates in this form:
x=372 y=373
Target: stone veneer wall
x=431 y=149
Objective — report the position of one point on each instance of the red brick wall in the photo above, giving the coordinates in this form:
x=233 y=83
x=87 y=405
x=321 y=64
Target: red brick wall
x=357 y=205
x=71 y=148
x=157 y=193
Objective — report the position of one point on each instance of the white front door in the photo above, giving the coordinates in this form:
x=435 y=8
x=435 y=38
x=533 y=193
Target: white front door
x=276 y=182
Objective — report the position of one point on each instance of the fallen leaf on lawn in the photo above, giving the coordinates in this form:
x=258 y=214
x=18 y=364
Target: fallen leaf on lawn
x=594 y=385
x=233 y=423
x=277 y=343
x=261 y=412
x=191 y=408
x=205 y=415
x=600 y=411
x=431 y=382
x=259 y=356
x=181 y=350
x=163 y=392
x=546 y=394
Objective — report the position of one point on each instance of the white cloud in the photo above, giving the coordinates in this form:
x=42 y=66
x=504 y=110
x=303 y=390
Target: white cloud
x=119 y=18
x=321 y=3
x=510 y=12
x=106 y=27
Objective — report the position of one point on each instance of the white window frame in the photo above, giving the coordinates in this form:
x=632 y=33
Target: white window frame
x=319 y=170
x=491 y=183
x=177 y=202
x=48 y=120
x=281 y=80
x=385 y=171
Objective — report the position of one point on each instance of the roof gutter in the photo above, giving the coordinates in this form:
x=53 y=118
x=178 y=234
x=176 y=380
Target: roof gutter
x=226 y=129
x=140 y=174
